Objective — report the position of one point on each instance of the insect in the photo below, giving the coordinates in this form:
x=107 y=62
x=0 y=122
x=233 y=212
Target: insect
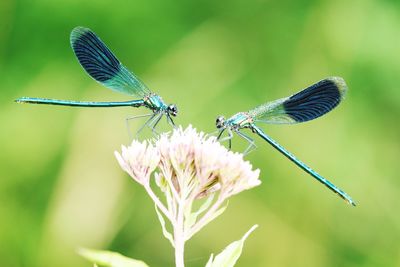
x=308 y=104
x=101 y=64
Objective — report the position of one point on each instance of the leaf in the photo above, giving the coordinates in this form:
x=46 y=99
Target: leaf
x=191 y=217
x=209 y=219
x=164 y=229
x=210 y=261
x=109 y=258
x=229 y=256
x=216 y=214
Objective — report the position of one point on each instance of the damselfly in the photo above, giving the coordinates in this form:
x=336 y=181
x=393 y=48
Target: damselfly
x=101 y=64
x=308 y=104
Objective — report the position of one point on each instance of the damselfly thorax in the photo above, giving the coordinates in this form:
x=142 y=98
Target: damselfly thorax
x=239 y=121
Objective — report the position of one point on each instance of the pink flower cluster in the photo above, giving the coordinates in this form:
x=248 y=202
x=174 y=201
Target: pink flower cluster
x=188 y=163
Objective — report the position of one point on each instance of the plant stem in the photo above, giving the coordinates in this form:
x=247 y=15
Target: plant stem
x=159 y=204
x=179 y=237
x=206 y=217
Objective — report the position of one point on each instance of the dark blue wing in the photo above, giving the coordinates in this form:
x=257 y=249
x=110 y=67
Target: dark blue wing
x=308 y=104
x=101 y=64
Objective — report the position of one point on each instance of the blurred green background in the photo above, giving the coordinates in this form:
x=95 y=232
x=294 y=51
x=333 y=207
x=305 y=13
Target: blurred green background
x=62 y=188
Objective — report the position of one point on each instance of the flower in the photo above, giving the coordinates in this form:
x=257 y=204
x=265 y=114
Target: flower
x=139 y=160
x=191 y=160
x=187 y=166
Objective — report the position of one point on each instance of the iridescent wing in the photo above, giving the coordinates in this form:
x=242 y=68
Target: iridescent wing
x=308 y=104
x=101 y=64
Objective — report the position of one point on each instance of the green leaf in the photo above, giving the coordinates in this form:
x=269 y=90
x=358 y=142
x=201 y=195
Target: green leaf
x=229 y=256
x=191 y=217
x=209 y=219
x=210 y=261
x=217 y=213
x=164 y=229
x=109 y=258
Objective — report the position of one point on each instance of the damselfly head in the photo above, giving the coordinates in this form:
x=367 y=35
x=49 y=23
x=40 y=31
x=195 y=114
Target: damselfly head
x=172 y=110
x=220 y=122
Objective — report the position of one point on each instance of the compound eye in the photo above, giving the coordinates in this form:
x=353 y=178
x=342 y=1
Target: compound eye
x=173 y=110
x=219 y=122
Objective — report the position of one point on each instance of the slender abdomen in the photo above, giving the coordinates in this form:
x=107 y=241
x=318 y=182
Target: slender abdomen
x=45 y=101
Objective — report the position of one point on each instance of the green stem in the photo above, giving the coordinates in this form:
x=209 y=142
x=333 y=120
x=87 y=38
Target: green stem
x=205 y=219
x=179 y=236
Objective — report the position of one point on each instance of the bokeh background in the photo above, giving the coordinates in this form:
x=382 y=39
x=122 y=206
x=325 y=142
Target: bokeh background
x=62 y=188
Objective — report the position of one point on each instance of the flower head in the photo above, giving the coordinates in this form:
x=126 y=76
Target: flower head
x=139 y=160
x=187 y=166
x=194 y=164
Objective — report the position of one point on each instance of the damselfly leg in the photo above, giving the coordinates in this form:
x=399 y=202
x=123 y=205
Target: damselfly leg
x=226 y=138
x=145 y=125
x=128 y=119
x=252 y=146
x=214 y=134
x=152 y=125
x=220 y=132
x=170 y=121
